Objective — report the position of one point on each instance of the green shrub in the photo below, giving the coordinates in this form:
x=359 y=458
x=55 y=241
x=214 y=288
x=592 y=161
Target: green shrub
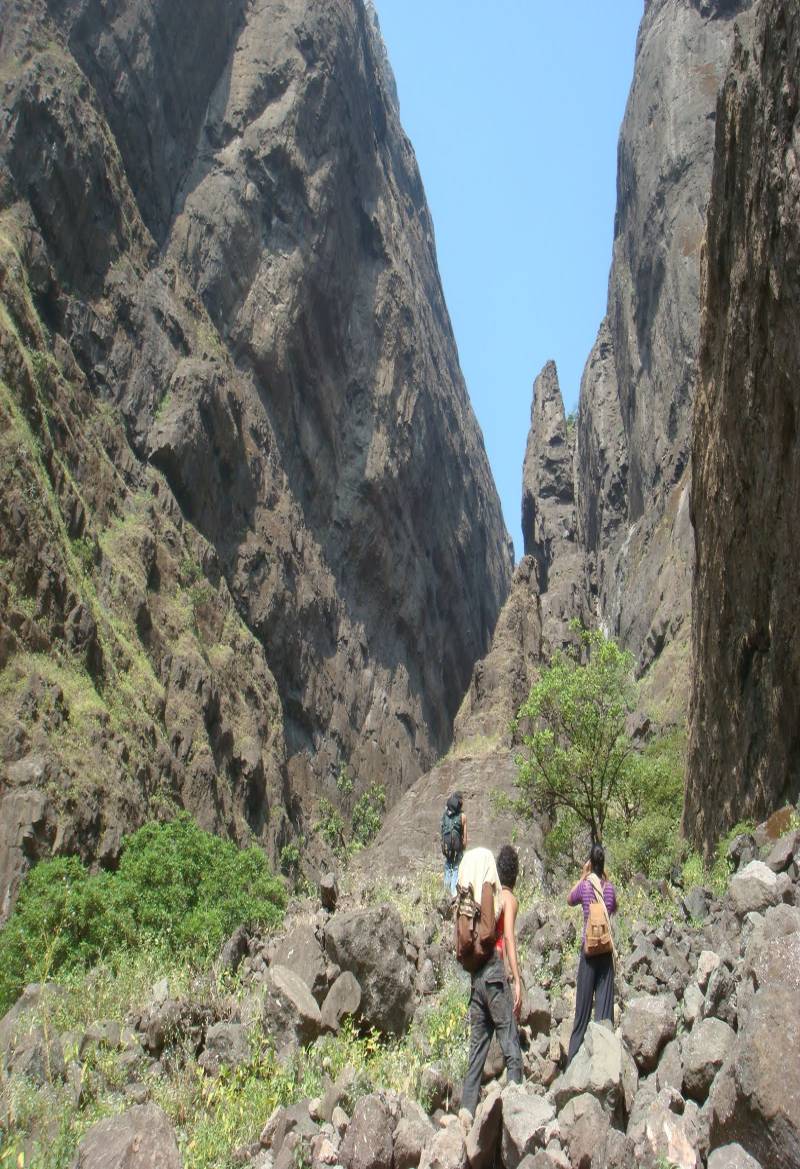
x=176 y=886
x=368 y=814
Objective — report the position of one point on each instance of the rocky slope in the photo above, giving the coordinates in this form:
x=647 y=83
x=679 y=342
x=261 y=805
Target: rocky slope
x=745 y=751
x=249 y=529
x=701 y=1067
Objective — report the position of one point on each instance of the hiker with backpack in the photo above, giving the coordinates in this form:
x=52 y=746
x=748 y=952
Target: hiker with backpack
x=486 y=946
x=598 y=897
x=453 y=835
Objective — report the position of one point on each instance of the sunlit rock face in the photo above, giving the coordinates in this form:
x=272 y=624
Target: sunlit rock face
x=247 y=410
x=634 y=422
x=606 y=500
x=745 y=741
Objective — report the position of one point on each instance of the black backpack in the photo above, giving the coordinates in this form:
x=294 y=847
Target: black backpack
x=452 y=843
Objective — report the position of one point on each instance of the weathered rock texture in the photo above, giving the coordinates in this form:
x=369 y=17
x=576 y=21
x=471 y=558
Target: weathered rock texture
x=548 y=512
x=634 y=420
x=745 y=740
x=248 y=529
x=605 y=505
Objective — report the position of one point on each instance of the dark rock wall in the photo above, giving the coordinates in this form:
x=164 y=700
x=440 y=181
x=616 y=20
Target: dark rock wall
x=233 y=370
x=745 y=740
x=633 y=434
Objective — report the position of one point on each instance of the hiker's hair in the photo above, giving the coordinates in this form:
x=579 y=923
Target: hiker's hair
x=507 y=866
x=597 y=859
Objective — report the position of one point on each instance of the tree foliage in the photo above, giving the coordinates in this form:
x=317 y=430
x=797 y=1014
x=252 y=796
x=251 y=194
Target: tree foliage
x=176 y=886
x=576 y=752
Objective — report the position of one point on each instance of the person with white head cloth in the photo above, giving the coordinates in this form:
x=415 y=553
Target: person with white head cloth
x=493 y=1006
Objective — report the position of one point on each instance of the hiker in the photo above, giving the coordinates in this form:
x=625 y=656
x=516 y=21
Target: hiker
x=493 y=1006
x=454 y=839
x=595 y=969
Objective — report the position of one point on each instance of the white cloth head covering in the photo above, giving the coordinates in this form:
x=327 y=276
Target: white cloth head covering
x=476 y=868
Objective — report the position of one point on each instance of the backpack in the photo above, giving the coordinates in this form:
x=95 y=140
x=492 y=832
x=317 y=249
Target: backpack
x=452 y=843
x=470 y=954
x=598 y=924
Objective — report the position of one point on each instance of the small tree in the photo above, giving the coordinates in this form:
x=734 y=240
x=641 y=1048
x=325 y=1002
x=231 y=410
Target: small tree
x=576 y=749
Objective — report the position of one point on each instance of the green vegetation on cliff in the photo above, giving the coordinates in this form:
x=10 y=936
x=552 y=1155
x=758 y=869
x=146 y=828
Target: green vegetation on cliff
x=177 y=887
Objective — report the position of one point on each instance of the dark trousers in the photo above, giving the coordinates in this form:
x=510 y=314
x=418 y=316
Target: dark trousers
x=491 y=1009
x=595 y=981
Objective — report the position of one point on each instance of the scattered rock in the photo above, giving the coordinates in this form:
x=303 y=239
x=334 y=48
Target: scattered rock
x=527 y=1124
x=704 y=1053
x=370 y=944
x=446 y=1150
x=291 y=1014
x=329 y=892
x=410 y=1137
x=141 y=1138
x=648 y=1024
x=302 y=954
x=732 y=1157
x=754 y=889
x=367 y=1144
x=603 y=1068
x=485 y=1131
x=342 y=1000
x=755 y=1100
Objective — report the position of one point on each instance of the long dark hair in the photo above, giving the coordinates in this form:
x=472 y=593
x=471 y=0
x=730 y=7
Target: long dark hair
x=597 y=859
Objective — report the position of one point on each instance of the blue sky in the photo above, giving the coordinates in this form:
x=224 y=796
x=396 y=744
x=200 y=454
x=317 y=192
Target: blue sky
x=514 y=110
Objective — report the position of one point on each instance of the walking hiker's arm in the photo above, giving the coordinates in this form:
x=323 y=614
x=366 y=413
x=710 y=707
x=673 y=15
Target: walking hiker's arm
x=510 y=904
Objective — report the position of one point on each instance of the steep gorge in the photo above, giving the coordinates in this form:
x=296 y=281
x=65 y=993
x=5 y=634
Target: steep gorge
x=231 y=393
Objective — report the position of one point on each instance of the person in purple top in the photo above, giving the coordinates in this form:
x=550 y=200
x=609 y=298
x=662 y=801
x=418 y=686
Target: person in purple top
x=596 y=974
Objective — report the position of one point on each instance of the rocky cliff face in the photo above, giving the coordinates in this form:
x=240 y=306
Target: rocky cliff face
x=249 y=528
x=548 y=512
x=605 y=507
x=636 y=394
x=745 y=744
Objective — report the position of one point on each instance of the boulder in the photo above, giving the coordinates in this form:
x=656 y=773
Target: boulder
x=754 y=889
x=695 y=904
x=527 y=1123
x=410 y=1138
x=755 y=1100
x=584 y=1128
x=370 y=944
x=141 y=1138
x=783 y=852
x=302 y=953
x=343 y=999
x=732 y=1157
x=485 y=1131
x=670 y=1133
x=234 y=951
x=329 y=892
x=704 y=1052
x=707 y=963
x=37 y=1055
x=226 y=1044
x=720 y=1000
x=603 y=1068
x=669 y=1073
x=693 y=999
x=445 y=1150
x=290 y=1013
x=648 y=1024
x=367 y=1144
x=536 y=1012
